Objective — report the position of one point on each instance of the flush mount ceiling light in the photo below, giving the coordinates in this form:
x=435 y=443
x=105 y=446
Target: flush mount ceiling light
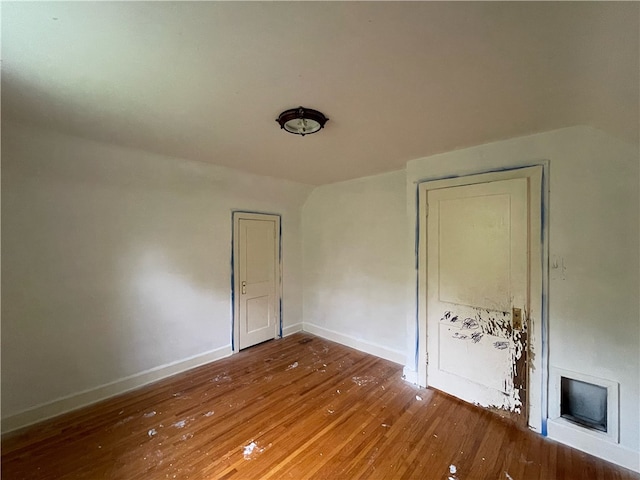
x=302 y=121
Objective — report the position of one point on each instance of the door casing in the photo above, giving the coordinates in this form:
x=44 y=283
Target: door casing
x=235 y=275
x=538 y=256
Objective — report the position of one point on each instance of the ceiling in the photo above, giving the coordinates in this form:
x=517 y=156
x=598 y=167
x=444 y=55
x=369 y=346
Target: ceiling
x=398 y=80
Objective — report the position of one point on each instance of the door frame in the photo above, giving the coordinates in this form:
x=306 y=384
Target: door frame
x=236 y=215
x=537 y=375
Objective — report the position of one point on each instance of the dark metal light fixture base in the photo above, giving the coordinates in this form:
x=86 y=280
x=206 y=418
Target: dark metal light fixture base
x=302 y=121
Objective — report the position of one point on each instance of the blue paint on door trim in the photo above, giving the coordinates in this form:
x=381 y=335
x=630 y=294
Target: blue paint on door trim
x=417 y=268
x=280 y=279
x=233 y=285
x=544 y=328
x=233 y=293
x=544 y=242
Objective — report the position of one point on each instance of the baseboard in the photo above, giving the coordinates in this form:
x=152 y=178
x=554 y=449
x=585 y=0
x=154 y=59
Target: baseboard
x=410 y=375
x=72 y=402
x=362 y=345
x=291 y=329
x=611 y=452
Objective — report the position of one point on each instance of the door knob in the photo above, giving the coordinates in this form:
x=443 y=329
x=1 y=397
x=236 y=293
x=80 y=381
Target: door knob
x=244 y=288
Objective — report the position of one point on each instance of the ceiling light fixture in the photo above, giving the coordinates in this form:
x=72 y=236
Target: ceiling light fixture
x=302 y=121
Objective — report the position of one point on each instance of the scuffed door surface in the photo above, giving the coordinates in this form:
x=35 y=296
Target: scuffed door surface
x=477 y=272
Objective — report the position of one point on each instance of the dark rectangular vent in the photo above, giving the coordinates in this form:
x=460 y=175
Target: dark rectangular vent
x=583 y=403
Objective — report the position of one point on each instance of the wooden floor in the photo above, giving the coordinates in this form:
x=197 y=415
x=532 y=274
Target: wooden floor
x=301 y=407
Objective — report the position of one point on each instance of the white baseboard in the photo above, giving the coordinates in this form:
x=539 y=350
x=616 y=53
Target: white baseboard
x=612 y=452
x=362 y=345
x=291 y=329
x=77 y=400
x=410 y=375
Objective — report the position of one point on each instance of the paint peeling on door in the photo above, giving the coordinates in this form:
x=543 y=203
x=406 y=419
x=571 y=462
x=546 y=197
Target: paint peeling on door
x=479 y=333
x=470 y=324
x=489 y=322
x=476 y=337
x=520 y=368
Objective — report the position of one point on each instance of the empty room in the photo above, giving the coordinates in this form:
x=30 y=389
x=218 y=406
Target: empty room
x=328 y=240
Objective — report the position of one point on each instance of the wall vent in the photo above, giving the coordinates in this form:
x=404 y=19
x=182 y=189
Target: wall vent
x=585 y=403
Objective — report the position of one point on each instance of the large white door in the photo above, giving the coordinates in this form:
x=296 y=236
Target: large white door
x=477 y=292
x=256 y=278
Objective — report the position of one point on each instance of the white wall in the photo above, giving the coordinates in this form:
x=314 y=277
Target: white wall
x=117 y=262
x=594 y=314
x=354 y=263
x=359 y=250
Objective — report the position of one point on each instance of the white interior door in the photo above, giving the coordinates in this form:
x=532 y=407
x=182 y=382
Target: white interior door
x=257 y=278
x=477 y=274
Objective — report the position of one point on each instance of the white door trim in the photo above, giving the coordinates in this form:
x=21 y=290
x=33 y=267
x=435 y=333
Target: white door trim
x=538 y=261
x=236 y=215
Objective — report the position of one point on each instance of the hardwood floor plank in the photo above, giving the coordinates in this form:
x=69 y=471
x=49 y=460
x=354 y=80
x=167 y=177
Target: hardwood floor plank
x=300 y=407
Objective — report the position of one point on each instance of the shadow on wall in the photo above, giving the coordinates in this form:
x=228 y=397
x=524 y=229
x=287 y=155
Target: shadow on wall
x=24 y=100
x=182 y=311
x=101 y=281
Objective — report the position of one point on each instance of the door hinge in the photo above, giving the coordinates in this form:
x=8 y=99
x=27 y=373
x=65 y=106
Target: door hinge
x=427 y=358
